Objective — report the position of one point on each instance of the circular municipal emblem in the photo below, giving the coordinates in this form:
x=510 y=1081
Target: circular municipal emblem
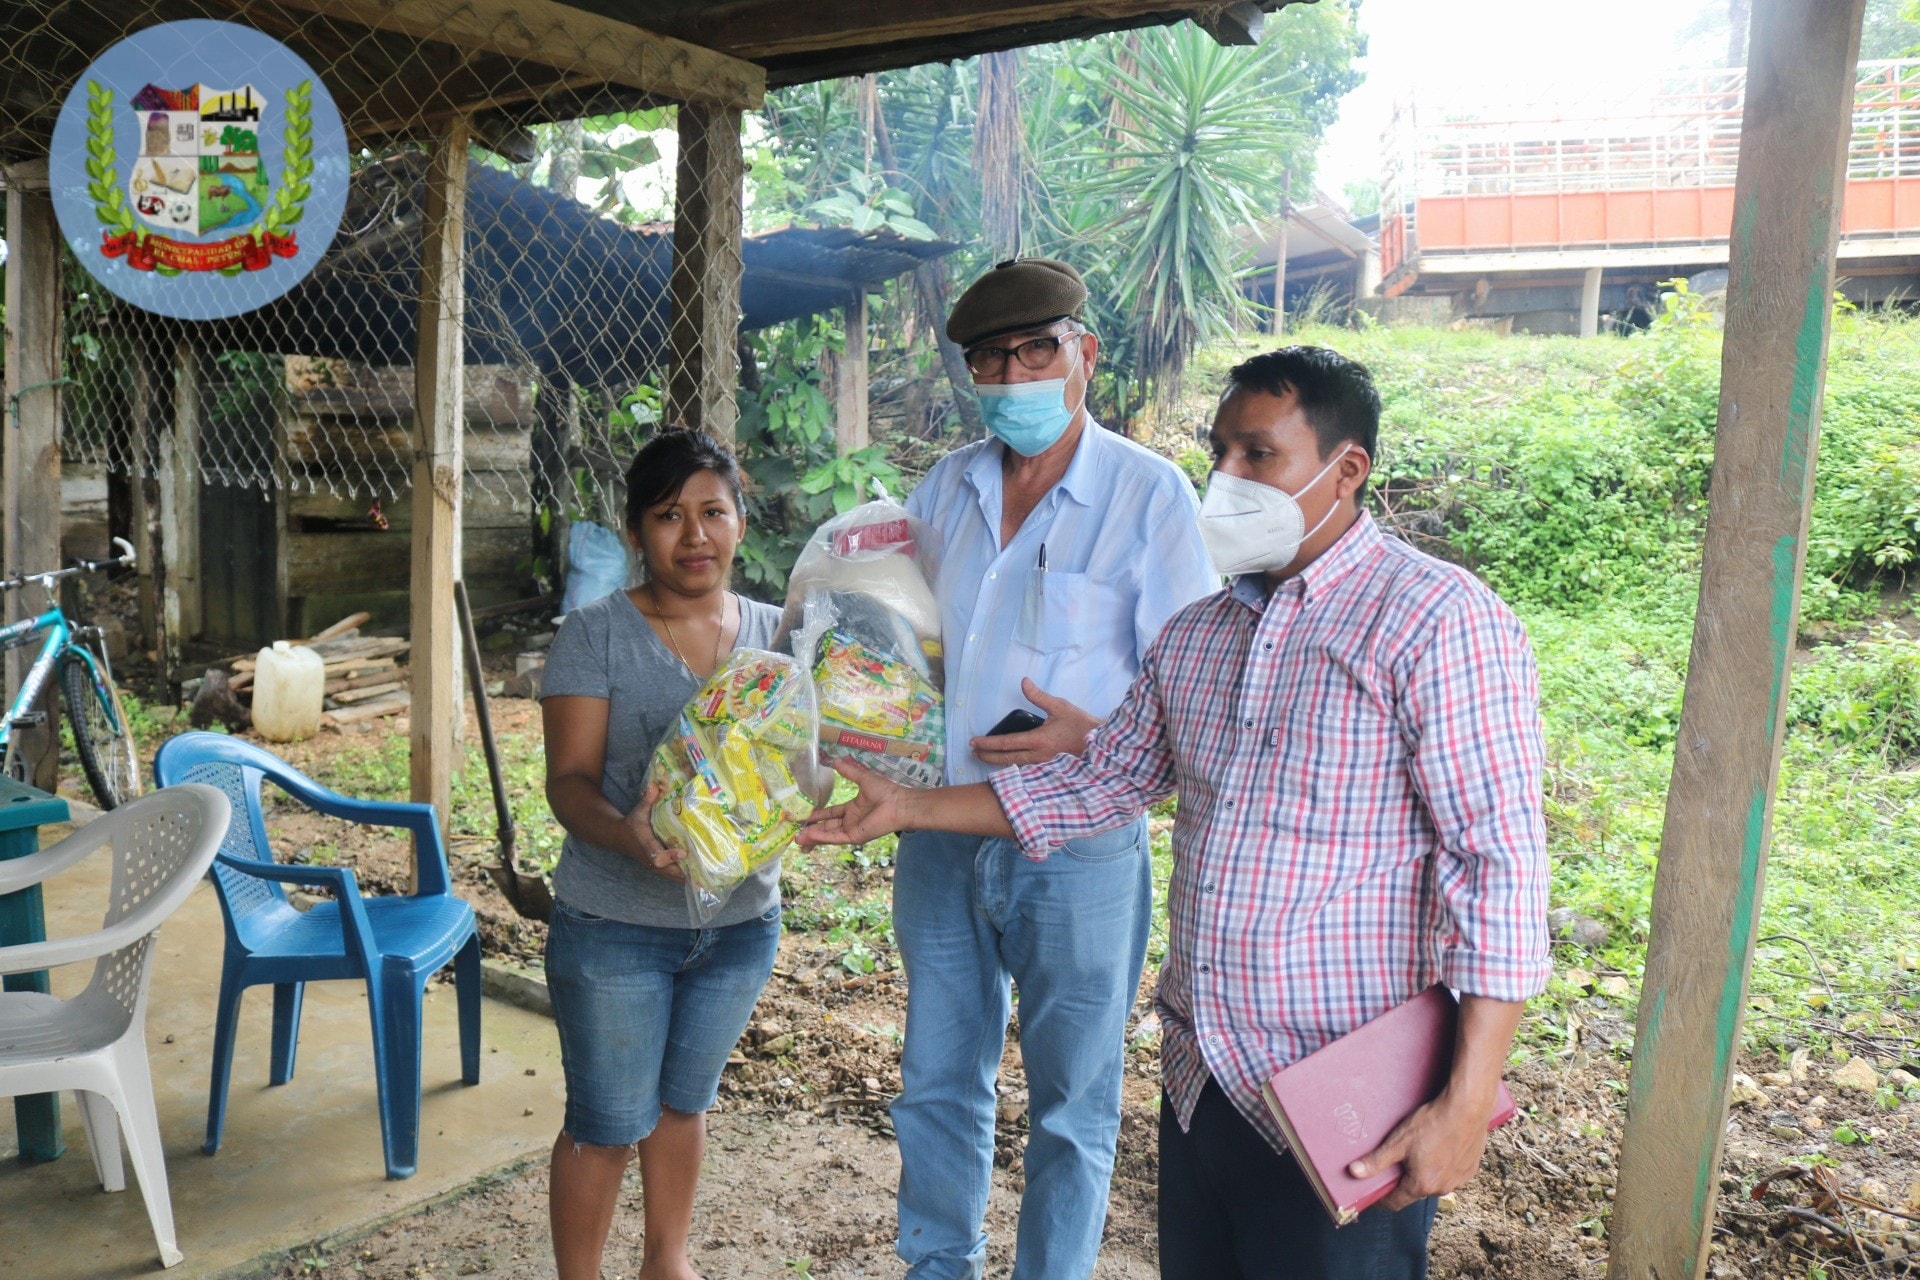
x=199 y=169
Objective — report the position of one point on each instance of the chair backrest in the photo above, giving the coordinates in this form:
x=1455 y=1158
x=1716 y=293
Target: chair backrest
x=162 y=845
x=236 y=768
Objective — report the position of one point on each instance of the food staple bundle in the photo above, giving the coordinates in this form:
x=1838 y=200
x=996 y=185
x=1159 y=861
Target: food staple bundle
x=733 y=768
x=865 y=624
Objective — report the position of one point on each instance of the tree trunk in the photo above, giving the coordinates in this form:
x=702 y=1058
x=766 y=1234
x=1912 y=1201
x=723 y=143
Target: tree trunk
x=998 y=152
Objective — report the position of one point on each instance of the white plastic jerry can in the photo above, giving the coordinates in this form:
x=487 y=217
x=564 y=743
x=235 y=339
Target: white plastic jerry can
x=289 y=686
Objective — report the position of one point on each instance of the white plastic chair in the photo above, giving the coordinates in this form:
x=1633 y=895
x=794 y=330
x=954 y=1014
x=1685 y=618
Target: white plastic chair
x=96 y=1043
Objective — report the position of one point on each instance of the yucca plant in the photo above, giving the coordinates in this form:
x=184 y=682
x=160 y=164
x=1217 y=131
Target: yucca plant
x=1201 y=135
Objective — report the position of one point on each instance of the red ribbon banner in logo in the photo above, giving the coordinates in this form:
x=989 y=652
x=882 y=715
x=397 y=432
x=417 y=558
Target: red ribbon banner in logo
x=145 y=253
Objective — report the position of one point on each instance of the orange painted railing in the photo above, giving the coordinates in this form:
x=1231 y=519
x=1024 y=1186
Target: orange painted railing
x=1657 y=171
x=1586 y=219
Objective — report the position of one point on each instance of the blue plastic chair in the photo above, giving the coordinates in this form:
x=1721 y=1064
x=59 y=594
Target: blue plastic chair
x=392 y=943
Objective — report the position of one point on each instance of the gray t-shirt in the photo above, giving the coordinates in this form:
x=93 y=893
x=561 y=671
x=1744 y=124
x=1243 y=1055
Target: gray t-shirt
x=609 y=650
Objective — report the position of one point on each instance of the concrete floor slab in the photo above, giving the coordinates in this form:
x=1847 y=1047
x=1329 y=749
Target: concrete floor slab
x=298 y=1161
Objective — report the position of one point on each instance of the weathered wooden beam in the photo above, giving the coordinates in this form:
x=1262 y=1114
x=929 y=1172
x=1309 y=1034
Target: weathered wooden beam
x=179 y=579
x=30 y=458
x=438 y=469
x=145 y=425
x=414 y=105
x=850 y=423
x=553 y=442
x=337 y=563
x=572 y=40
x=761 y=29
x=705 y=285
x=1719 y=818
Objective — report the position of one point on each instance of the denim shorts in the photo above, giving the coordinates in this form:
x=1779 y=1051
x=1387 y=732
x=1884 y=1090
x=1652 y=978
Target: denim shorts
x=648 y=1015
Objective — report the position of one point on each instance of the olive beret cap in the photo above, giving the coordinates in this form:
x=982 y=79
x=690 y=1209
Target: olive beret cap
x=1019 y=294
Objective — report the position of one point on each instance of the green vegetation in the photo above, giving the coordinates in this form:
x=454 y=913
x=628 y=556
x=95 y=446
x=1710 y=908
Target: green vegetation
x=1139 y=157
x=1575 y=477
x=377 y=769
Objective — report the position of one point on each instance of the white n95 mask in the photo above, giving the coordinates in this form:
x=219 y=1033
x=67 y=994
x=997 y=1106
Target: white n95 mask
x=1249 y=527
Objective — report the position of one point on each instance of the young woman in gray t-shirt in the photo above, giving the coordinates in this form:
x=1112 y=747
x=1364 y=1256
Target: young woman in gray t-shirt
x=648 y=1004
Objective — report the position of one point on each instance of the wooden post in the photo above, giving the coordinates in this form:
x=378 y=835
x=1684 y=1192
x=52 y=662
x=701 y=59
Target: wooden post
x=142 y=428
x=179 y=555
x=1590 y=304
x=1707 y=894
x=706 y=270
x=556 y=434
x=30 y=459
x=438 y=468
x=1279 y=320
x=850 y=430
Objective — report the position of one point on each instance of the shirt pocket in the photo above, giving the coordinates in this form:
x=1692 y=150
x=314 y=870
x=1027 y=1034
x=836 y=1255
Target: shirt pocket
x=1337 y=779
x=1057 y=611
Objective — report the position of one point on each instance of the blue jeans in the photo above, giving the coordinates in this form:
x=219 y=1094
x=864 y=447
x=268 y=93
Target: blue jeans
x=1071 y=931
x=647 y=1015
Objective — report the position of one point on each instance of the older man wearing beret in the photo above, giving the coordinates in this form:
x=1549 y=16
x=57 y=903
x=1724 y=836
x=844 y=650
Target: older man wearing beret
x=1066 y=548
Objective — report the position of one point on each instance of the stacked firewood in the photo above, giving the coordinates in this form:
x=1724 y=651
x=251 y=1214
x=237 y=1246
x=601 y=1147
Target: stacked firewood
x=364 y=679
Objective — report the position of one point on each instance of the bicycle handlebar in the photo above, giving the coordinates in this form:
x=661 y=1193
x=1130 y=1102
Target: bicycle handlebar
x=78 y=567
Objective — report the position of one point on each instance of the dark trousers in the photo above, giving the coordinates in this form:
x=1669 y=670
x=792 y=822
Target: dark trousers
x=1233 y=1208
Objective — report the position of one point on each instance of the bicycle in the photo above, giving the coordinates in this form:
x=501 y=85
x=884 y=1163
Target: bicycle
x=102 y=737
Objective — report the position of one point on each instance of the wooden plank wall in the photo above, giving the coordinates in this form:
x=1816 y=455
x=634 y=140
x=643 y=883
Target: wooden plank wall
x=357 y=428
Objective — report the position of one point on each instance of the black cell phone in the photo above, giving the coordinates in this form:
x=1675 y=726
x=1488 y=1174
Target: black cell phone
x=1019 y=720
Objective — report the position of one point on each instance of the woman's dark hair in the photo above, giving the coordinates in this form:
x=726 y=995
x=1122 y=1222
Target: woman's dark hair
x=1336 y=394
x=665 y=464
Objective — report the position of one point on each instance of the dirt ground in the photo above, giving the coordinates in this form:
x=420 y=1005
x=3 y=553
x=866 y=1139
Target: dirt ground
x=1820 y=1177
x=801 y=1168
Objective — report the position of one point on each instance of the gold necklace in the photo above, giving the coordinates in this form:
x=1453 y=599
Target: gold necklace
x=674 y=640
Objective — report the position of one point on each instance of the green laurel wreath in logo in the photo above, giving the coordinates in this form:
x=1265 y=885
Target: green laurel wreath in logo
x=103 y=178
x=290 y=202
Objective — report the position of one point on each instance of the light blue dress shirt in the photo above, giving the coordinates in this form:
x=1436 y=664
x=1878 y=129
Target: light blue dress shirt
x=1121 y=539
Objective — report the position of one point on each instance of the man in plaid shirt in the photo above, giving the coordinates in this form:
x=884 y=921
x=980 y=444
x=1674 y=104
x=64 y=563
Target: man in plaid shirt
x=1353 y=730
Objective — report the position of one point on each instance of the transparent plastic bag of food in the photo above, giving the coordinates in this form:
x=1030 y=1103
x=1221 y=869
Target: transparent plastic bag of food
x=741 y=772
x=864 y=621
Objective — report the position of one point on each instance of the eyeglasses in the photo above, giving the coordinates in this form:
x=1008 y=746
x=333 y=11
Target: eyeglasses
x=1034 y=354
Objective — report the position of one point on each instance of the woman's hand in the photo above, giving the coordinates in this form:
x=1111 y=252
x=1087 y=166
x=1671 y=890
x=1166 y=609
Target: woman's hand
x=649 y=851
x=879 y=809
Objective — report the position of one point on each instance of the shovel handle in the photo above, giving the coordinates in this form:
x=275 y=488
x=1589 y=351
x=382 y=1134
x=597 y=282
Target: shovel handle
x=476 y=680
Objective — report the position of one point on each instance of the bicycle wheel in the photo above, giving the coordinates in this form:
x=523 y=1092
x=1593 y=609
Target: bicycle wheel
x=103 y=741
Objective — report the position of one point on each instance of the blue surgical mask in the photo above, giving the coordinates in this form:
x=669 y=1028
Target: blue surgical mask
x=1028 y=417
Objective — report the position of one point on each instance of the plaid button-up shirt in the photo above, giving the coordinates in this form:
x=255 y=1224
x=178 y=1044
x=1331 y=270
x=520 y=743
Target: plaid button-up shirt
x=1359 y=762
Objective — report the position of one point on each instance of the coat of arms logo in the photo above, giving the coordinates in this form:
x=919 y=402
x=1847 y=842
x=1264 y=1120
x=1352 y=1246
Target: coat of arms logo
x=200 y=173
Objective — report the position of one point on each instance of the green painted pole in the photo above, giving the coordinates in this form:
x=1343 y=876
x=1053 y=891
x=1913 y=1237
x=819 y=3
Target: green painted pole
x=1713 y=853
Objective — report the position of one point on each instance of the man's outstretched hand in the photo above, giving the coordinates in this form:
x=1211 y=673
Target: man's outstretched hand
x=879 y=809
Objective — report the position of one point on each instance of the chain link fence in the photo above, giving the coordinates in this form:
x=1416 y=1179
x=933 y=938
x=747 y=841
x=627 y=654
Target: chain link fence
x=295 y=421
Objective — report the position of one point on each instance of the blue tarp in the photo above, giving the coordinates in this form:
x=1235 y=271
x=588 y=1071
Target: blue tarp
x=548 y=284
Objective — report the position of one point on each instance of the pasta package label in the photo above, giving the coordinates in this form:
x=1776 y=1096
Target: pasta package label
x=880 y=710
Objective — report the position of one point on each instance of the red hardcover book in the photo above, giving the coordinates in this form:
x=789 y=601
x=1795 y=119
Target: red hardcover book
x=1342 y=1100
